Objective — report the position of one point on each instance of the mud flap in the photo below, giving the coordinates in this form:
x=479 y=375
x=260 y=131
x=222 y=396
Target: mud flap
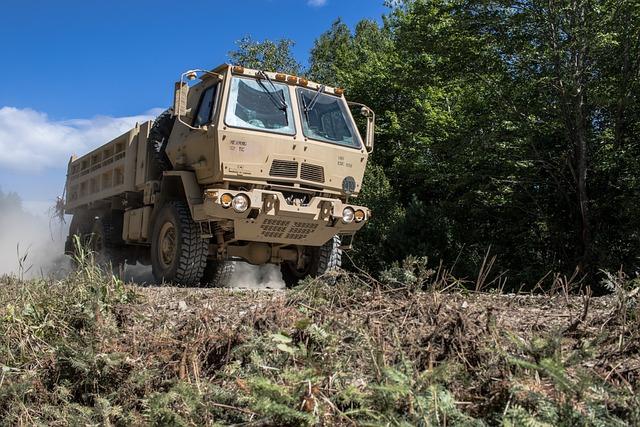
x=68 y=246
x=346 y=241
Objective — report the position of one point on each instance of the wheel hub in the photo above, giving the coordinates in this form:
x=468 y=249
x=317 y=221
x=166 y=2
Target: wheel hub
x=167 y=246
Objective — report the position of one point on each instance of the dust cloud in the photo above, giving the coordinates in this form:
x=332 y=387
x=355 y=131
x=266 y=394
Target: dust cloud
x=33 y=246
x=245 y=276
x=30 y=245
x=256 y=277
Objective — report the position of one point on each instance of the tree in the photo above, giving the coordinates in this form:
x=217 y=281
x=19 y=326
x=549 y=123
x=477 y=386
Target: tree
x=502 y=124
x=10 y=203
x=266 y=55
x=361 y=61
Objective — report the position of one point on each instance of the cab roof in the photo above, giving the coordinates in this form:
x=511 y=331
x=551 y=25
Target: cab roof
x=276 y=76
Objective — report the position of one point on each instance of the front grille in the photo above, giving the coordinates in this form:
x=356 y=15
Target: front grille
x=284 y=168
x=312 y=172
x=279 y=229
x=301 y=230
x=274 y=228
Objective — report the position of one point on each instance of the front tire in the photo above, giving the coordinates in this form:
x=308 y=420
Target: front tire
x=217 y=274
x=178 y=253
x=319 y=261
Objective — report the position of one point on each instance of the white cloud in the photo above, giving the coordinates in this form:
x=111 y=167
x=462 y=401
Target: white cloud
x=31 y=141
x=316 y=3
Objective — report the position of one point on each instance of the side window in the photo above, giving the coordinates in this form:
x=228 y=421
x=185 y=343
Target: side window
x=205 y=109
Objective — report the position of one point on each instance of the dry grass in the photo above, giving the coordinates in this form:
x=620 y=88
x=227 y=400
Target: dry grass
x=89 y=350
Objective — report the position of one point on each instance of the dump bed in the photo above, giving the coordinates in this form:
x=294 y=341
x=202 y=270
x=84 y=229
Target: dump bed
x=116 y=167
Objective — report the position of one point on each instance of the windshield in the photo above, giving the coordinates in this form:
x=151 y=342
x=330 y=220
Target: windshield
x=260 y=107
x=325 y=118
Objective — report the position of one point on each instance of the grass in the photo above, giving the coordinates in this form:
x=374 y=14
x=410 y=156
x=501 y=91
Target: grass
x=412 y=347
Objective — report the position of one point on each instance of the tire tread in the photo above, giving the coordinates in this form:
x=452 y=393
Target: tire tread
x=158 y=137
x=217 y=274
x=193 y=250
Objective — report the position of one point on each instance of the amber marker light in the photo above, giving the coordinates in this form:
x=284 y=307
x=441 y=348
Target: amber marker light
x=303 y=81
x=338 y=91
x=225 y=200
x=238 y=69
x=281 y=77
x=359 y=215
x=292 y=80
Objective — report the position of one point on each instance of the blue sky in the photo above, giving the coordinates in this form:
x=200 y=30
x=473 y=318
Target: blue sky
x=73 y=73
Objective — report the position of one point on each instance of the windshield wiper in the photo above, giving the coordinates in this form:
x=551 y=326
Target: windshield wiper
x=279 y=102
x=314 y=100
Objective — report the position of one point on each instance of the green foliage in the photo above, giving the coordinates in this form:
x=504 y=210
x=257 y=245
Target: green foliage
x=53 y=338
x=377 y=237
x=412 y=399
x=413 y=273
x=580 y=399
x=489 y=115
x=518 y=416
x=178 y=406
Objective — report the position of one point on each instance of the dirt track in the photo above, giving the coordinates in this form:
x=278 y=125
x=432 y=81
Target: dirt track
x=427 y=327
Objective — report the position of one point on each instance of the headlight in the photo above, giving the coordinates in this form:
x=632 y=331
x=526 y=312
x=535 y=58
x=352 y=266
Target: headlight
x=359 y=215
x=225 y=200
x=240 y=203
x=348 y=215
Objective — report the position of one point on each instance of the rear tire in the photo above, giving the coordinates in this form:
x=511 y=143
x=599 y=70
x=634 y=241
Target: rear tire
x=178 y=253
x=101 y=242
x=81 y=225
x=321 y=260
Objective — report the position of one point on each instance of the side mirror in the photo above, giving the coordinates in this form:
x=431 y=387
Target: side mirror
x=180 y=99
x=371 y=124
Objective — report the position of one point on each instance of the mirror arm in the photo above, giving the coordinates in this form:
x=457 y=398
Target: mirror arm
x=180 y=100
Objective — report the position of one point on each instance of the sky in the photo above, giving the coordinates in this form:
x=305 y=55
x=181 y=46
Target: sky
x=75 y=74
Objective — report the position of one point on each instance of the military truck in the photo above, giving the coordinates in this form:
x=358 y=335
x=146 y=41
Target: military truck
x=247 y=165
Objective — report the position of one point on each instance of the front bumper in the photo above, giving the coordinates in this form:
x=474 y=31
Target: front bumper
x=271 y=219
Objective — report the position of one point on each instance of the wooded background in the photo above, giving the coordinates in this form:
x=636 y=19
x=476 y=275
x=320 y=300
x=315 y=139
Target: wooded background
x=503 y=126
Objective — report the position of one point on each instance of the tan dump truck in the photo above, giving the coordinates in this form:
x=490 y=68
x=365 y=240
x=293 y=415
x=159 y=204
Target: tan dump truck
x=247 y=166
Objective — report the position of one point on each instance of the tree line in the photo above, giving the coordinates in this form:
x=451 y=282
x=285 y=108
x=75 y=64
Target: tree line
x=504 y=127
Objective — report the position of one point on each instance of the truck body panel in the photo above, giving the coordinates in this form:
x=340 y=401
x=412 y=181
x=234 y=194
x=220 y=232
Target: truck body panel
x=110 y=170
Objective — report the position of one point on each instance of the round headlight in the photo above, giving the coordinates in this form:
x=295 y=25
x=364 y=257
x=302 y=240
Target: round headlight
x=240 y=203
x=359 y=215
x=347 y=215
x=225 y=200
